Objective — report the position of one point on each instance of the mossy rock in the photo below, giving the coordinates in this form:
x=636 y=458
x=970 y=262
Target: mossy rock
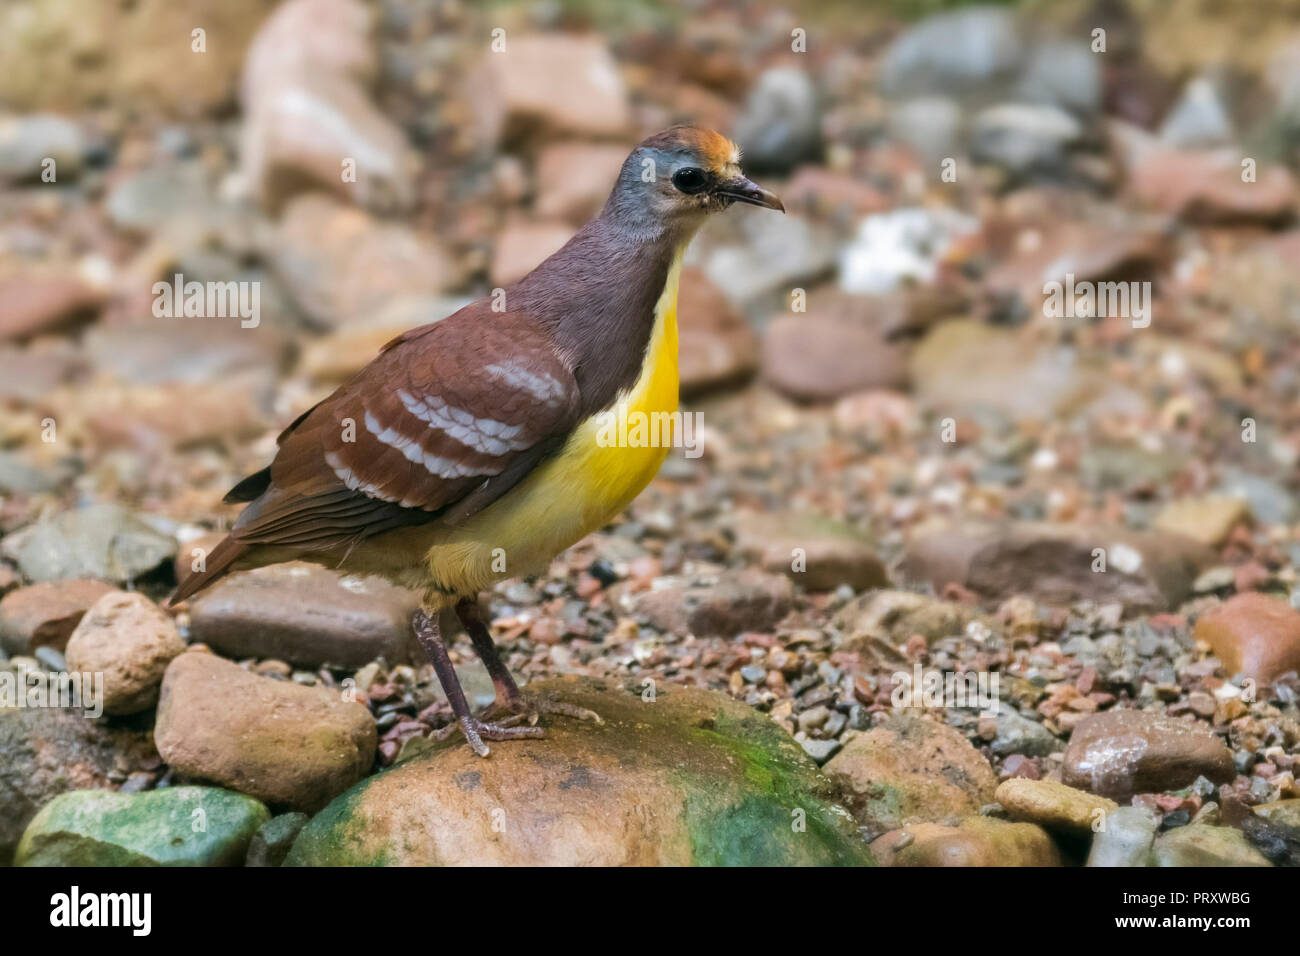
x=178 y=826
x=686 y=777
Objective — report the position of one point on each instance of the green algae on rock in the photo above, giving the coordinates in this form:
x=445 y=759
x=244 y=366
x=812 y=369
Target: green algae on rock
x=178 y=826
x=677 y=776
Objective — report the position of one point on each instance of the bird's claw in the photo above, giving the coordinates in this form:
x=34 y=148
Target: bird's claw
x=531 y=708
x=476 y=731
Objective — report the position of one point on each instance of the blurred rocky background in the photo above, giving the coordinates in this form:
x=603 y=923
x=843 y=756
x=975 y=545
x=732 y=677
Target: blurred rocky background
x=911 y=456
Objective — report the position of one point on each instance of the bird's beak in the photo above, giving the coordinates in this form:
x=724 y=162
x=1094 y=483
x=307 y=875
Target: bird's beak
x=742 y=190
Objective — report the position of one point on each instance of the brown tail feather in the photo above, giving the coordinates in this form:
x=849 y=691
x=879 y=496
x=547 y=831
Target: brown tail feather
x=216 y=565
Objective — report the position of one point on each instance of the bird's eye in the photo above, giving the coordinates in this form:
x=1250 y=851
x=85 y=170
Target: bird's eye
x=689 y=180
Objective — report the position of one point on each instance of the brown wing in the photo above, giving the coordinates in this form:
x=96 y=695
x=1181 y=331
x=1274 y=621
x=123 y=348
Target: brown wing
x=444 y=421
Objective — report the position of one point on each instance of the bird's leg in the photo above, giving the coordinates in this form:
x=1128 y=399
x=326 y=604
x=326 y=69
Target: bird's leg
x=475 y=730
x=509 y=697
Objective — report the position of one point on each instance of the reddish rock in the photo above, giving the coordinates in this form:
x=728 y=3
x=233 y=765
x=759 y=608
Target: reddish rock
x=1253 y=634
x=306 y=110
x=838 y=347
x=1122 y=752
x=1206 y=187
x=39 y=305
x=128 y=639
x=285 y=744
x=734 y=602
x=522 y=246
x=1055 y=563
x=575 y=179
x=716 y=346
x=549 y=84
x=45 y=614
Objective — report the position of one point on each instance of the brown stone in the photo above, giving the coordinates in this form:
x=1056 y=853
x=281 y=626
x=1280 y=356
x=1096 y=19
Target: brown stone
x=307 y=615
x=283 y=743
x=128 y=639
x=716 y=346
x=1144 y=571
x=39 y=305
x=734 y=602
x=574 y=179
x=839 y=346
x=550 y=84
x=44 y=615
x=1253 y=634
x=816 y=552
x=1118 y=753
x=522 y=246
x=911 y=770
x=1053 y=805
x=340 y=264
x=1208 y=520
x=978 y=841
x=1206 y=187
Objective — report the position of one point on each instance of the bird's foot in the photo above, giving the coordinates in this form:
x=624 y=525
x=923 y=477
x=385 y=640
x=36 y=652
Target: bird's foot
x=530 y=708
x=476 y=731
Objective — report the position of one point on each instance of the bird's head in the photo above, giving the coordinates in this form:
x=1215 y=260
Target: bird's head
x=679 y=176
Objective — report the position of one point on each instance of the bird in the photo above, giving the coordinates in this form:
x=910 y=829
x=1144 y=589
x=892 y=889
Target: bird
x=470 y=449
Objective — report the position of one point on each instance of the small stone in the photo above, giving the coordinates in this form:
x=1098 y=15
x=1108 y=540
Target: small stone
x=271 y=843
x=780 y=125
x=1053 y=805
x=735 y=602
x=1208 y=520
x=128 y=639
x=1125 y=839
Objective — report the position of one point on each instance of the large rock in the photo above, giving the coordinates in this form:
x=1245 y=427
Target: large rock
x=178 y=826
x=1144 y=571
x=817 y=552
x=961 y=50
x=307 y=615
x=1122 y=752
x=340 y=264
x=1053 y=805
x=716 y=346
x=51 y=750
x=574 y=179
x=550 y=84
x=1252 y=634
x=688 y=777
x=833 y=350
x=965 y=365
x=1209 y=520
x=45 y=614
x=307 y=110
x=731 y=603
x=1203 y=845
x=891 y=617
x=911 y=770
x=128 y=639
x=99 y=541
x=977 y=841
x=1206 y=187
x=283 y=743
x=26 y=142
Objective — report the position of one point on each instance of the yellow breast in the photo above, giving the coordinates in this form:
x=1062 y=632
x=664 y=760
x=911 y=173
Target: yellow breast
x=594 y=477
